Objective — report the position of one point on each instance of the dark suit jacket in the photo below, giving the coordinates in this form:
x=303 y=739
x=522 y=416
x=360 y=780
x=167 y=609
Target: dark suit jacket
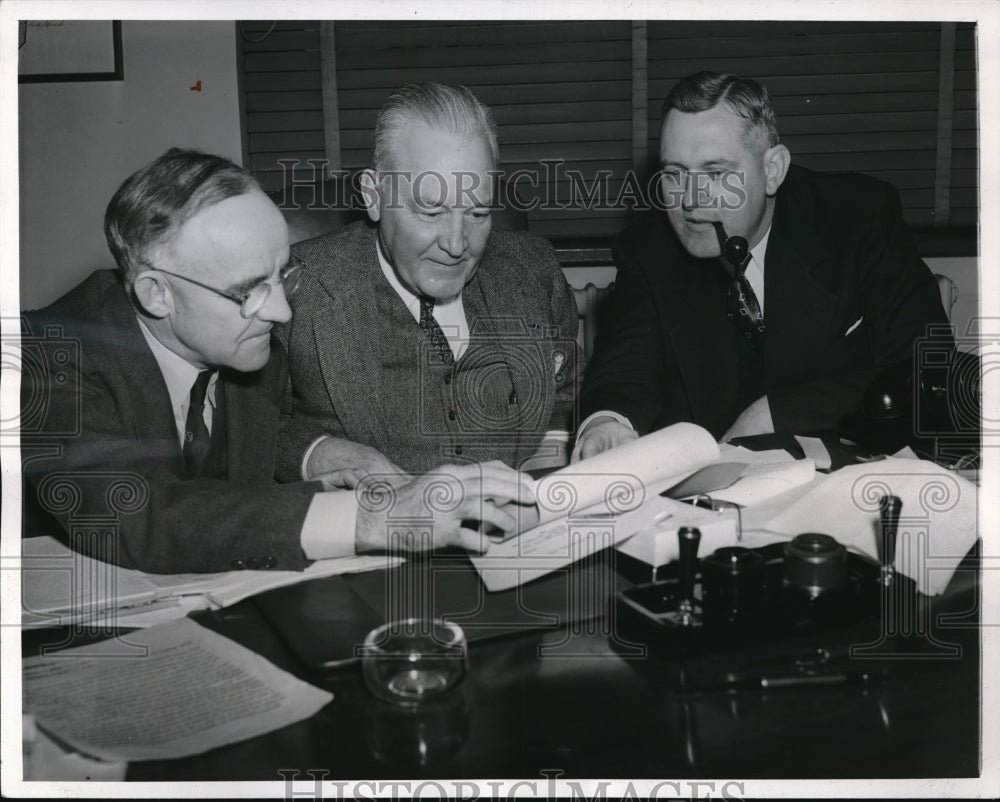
x=838 y=252
x=100 y=440
x=338 y=387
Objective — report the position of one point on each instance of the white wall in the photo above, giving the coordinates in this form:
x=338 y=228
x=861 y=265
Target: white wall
x=79 y=141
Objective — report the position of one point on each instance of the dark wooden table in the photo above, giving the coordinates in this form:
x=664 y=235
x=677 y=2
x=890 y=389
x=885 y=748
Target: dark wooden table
x=570 y=700
x=578 y=701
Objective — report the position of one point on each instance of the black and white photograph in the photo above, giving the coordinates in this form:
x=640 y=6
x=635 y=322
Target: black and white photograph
x=594 y=400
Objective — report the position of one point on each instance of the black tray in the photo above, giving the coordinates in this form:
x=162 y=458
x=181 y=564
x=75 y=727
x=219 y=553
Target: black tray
x=834 y=620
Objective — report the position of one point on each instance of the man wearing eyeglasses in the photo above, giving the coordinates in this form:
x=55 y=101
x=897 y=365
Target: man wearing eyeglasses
x=167 y=388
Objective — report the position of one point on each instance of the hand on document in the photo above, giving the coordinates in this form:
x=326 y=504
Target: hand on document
x=601 y=434
x=340 y=463
x=429 y=511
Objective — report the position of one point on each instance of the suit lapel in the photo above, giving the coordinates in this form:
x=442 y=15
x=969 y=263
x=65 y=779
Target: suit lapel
x=348 y=317
x=250 y=438
x=479 y=296
x=798 y=300
x=700 y=337
x=151 y=416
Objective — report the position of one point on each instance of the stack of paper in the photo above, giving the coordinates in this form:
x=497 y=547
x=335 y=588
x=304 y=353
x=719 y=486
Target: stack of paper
x=60 y=586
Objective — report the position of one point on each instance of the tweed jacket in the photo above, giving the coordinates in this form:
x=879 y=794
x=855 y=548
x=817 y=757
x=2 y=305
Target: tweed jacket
x=523 y=321
x=100 y=445
x=846 y=296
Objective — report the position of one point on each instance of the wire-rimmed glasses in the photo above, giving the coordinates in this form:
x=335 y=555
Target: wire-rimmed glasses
x=252 y=301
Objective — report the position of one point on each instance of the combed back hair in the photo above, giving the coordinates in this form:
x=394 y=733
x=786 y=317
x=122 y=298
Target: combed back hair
x=447 y=108
x=155 y=201
x=744 y=97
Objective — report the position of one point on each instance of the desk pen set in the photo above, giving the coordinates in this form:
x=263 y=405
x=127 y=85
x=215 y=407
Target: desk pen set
x=808 y=593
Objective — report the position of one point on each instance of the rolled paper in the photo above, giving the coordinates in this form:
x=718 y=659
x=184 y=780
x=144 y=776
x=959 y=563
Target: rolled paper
x=621 y=479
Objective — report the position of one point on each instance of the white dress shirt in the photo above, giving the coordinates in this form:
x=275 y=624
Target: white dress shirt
x=328 y=528
x=450 y=315
x=179 y=376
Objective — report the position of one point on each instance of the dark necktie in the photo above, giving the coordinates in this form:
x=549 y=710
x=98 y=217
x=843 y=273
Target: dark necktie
x=197 y=439
x=429 y=324
x=742 y=306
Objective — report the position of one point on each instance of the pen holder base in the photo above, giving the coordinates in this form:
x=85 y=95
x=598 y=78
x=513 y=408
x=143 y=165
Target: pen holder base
x=762 y=612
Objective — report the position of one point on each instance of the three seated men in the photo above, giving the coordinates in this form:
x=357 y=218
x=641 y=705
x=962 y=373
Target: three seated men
x=428 y=346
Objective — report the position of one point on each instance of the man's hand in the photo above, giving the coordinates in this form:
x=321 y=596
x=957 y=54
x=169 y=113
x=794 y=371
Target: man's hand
x=552 y=453
x=755 y=419
x=601 y=434
x=338 y=480
x=337 y=463
x=430 y=509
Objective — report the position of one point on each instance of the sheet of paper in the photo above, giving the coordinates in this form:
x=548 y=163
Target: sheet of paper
x=192 y=691
x=596 y=503
x=709 y=479
x=621 y=479
x=730 y=453
x=938 y=523
x=222 y=590
x=60 y=587
x=763 y=481
x=815 y=449
x=552 y=545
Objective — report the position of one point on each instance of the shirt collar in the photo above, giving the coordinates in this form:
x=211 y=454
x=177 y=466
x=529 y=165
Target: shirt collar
x=178 y=373
x=411 y=301
x=758 y=250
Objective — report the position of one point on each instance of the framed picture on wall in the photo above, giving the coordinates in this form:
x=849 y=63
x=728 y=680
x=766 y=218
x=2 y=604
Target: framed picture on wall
x=69 y=50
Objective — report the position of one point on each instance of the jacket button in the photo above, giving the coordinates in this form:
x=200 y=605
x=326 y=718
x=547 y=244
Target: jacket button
x=269 y=561
x=237 y=565
x=451 y=414
x=447 y=379
x=459 y=450
x=253 y=563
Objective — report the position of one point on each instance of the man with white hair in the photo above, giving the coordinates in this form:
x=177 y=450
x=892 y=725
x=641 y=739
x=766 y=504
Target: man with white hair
x=425 y=335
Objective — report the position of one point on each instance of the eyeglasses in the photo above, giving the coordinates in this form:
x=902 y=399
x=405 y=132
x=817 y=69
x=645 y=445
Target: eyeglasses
x=253 y=301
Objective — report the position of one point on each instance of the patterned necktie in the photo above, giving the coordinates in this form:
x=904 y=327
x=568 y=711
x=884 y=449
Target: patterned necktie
x=742 y=306
x=197 y=439
x=429 y=324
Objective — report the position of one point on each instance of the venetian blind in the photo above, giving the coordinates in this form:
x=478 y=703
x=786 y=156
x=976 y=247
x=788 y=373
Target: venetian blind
x=849 y=96
x=282 y=99
x=560 y=92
